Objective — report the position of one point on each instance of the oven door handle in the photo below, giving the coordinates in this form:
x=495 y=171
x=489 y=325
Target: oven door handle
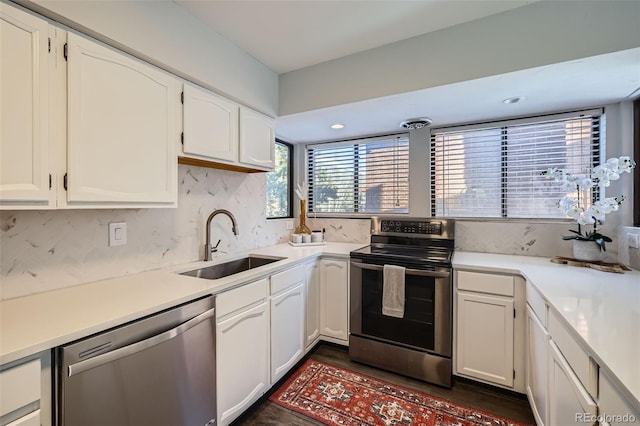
x=420 y=272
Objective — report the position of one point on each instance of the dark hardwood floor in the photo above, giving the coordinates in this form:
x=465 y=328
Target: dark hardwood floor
x=496 y=401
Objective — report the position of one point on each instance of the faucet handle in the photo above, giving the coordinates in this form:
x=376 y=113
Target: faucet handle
x=215 y=248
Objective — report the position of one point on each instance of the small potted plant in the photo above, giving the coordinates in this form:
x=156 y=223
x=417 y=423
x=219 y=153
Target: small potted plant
x=589 y=245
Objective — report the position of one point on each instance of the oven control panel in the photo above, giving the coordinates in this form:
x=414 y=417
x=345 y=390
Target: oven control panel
x=411 y=227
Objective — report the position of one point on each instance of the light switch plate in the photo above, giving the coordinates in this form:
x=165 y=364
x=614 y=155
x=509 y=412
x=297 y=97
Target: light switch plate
x=632 y=240
x=117 y=234
x=289 y=225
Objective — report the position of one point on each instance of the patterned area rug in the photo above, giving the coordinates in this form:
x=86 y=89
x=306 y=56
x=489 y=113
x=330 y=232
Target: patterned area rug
x=340 y=397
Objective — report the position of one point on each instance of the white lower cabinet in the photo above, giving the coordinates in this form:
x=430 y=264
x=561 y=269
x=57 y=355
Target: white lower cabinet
x=312 y=303
x=489 y=343
x=287 y=320
x=536 y=372
x=25 y=391
x=334 y=300
x=242 y=342
x=569 y=401
x=485 y=337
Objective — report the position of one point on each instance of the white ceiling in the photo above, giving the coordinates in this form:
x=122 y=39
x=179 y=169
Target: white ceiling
x=292 y=34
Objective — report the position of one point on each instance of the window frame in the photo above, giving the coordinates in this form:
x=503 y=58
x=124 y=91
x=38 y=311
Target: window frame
x=502 y=125
x=289 y=178
x=353 y=142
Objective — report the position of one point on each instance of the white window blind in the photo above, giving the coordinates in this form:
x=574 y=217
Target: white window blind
x=363 y=176
x=495 y=170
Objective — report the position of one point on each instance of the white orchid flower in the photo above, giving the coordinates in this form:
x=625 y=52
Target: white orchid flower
x=626 y=164
x=613 y=164
x=585 y=220
x=596 y=211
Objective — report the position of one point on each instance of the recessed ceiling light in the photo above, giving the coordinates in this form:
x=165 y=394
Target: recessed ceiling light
x=337 y=126
x=514 y=100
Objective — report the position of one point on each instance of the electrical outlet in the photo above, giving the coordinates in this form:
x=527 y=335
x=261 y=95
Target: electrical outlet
x=289 y=225
x=632 y=240
x=117 y=234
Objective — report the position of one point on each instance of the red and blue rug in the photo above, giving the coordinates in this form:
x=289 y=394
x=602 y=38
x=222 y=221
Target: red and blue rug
x=335 y=396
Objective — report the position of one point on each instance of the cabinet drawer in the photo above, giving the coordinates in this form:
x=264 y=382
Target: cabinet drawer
x=577 y=358
x=537 y=303
x=241 y=297
x=286 y=279
x=19 y=386
x=485 y=283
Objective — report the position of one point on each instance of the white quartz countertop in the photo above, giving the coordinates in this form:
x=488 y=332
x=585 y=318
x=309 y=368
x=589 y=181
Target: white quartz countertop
x=602 y=309
x=39 y=322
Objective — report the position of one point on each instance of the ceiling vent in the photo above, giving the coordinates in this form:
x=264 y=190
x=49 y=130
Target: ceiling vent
x=416 y=123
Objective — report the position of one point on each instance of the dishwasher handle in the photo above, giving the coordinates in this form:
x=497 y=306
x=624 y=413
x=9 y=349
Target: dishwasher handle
x=133 y=348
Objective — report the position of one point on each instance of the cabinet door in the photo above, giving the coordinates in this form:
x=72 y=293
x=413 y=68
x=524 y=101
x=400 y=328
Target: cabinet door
x=536 y=372
x=122 y=133
x=24 y=93
x=287 y=330
x=334 y=299
x=242 y=361
x=485 y=338
x=257 y=140
x=210 y=125
x=569 y=402
x=312 y=303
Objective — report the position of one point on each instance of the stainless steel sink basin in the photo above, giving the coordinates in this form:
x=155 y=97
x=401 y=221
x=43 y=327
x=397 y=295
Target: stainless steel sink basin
x=231 y=267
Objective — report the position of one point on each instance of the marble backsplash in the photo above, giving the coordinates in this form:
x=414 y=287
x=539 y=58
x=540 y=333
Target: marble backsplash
x=514 y=237
x=46 y=250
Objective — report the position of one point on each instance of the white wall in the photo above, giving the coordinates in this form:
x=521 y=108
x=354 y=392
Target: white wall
x=46 y=250
x=166 y=35
x=534 y=35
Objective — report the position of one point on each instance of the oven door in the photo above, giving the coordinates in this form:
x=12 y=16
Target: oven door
x=426 y=325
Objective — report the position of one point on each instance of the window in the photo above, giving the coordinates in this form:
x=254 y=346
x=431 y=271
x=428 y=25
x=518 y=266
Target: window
x=279 y=193
x=362 y=176
x=494 y=170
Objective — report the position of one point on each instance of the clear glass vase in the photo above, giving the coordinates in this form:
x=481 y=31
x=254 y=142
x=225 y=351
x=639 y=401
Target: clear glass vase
x=303 y=228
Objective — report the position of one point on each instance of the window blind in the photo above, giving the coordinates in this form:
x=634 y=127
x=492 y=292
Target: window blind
x=363 y=176
x=495 y=170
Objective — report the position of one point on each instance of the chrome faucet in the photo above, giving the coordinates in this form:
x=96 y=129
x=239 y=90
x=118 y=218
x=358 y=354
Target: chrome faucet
x=208 y=249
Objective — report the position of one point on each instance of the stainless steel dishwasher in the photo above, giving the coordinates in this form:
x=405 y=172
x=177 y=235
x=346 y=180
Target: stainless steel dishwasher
x=159 y=370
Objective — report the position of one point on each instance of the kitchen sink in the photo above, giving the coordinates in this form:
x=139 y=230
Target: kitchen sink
x=231 y=267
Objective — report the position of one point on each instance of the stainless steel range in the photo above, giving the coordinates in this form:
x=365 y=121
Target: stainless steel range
x=419 y=342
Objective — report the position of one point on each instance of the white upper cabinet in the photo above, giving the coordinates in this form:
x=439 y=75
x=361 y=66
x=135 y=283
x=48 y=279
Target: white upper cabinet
x=221 y=134
x=257 y=140
x=122 y=129
x=210 y=126
x=24 y=128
